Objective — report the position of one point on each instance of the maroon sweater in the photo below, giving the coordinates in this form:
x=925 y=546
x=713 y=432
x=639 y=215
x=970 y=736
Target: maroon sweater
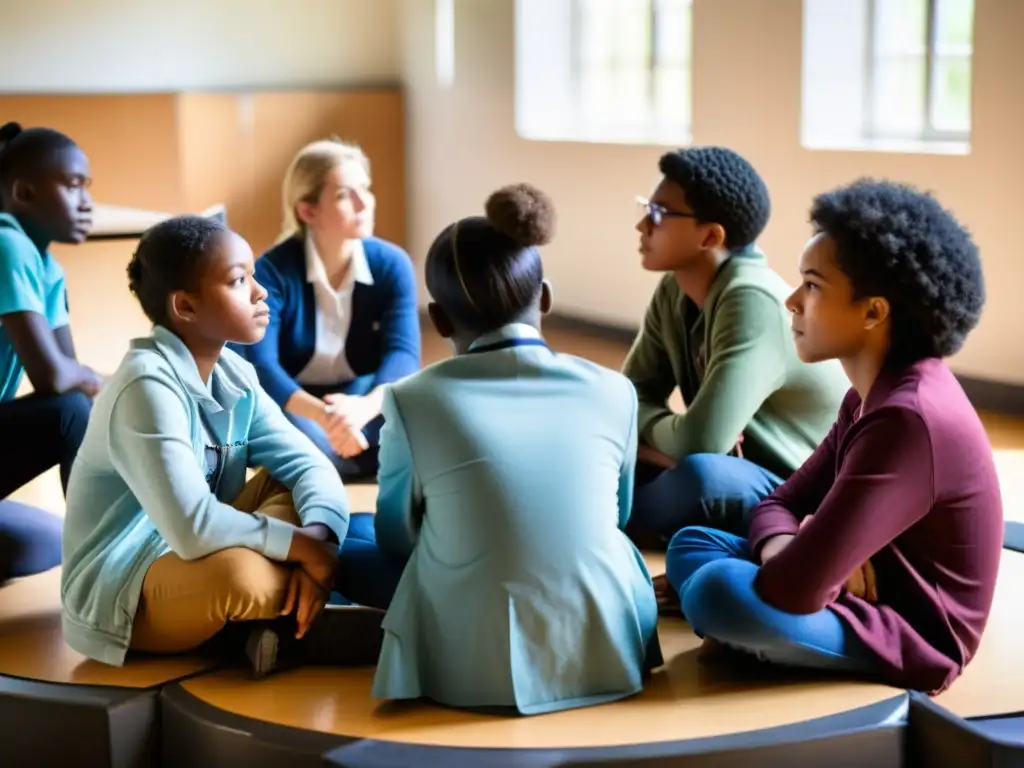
x=911 y=484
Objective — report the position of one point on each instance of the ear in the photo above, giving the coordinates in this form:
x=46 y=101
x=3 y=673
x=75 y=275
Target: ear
x=306 y=211
x=181 y=307
x=442 y=323
x=714 y=237
x=22 y=192
x=545 y=297
x=877 y=312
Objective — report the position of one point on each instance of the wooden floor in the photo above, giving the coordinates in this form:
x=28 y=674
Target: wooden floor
x=685 y=699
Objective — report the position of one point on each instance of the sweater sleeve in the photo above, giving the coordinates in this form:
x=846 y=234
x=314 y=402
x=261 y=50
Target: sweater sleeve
x=265 y=354
x=288 y=455
x=627 y=474
x=400 y=324
x=885 y=486
x=800 y=495
x=746 y=364
x=649 y=367
x=151 y=449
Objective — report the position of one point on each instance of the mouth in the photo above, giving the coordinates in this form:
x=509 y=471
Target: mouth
x=262 y=314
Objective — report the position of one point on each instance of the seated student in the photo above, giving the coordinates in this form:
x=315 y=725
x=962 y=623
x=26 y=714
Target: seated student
x=506 y=477
x=880 y=554
x=717 y=328
x=44 y=195
x=165 y=543
x=344 y=317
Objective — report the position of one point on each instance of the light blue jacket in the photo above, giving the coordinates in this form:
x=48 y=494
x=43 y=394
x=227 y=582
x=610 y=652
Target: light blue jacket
x=506 y=476
x=138 y=488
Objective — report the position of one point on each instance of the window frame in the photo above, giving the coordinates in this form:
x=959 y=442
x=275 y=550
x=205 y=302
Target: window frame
x=931 y=55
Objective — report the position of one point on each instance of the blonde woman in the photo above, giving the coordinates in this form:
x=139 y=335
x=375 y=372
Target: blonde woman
x=343 y=310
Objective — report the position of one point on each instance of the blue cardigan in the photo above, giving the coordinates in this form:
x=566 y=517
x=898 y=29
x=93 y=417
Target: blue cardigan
x=383 y=338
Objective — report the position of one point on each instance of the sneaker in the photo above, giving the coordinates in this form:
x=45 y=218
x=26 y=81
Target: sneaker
x=343 y=636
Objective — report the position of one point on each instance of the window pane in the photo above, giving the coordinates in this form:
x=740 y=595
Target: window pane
x=673 y=38
x=672 y=97
x=615 y=94
x=951 y=97
x=901 y=27
x=954 y=23
x=614 y=30
x=897 y=103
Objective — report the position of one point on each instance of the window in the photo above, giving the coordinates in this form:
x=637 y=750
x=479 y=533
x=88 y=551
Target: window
x=603 y=70
x=899 y=72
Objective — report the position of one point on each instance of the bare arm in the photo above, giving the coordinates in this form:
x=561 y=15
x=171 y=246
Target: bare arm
x=45 y=355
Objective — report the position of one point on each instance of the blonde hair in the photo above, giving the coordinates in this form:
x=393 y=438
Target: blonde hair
x=304 y=179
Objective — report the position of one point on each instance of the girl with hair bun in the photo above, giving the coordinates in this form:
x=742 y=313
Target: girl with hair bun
x=506 y=478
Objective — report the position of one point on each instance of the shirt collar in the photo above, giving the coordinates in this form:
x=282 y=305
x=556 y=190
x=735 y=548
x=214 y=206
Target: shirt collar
x=359 y=273
x=230 y=388
x=510 y=331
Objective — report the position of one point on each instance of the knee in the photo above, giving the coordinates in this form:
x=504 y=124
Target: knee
x=32 y=546
x=74 y=409
x=249 y=583
x=720 y=599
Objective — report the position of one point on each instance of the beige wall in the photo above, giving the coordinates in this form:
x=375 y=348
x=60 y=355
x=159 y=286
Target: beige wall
x=102 y=46
x=747 y=69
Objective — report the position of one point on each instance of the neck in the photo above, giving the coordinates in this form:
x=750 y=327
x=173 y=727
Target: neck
x=462 y=339
x=336 y=256
x=695 y=279
x=863 y=369
x=40 y=238
x=206 y=354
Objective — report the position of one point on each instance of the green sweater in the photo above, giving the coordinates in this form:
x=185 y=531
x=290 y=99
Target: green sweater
x=736 y=366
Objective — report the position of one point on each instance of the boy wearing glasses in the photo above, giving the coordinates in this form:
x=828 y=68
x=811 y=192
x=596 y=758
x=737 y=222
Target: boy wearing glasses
x=717 y=327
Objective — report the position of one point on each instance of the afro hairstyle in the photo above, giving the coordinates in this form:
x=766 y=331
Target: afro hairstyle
x=899 y=243
x=723 y=188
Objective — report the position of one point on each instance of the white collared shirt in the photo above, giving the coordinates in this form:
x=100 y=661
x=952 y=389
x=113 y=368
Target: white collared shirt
x=329 y=365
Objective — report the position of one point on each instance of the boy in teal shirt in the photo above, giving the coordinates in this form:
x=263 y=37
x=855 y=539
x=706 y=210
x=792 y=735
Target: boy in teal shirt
x=44 y=195
x=717 y=328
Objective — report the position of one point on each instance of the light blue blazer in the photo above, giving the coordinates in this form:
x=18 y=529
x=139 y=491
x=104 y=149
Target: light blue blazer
x=506 y=477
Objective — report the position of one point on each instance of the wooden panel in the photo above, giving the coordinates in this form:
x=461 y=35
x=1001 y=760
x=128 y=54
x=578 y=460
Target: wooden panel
x=217 y=158
x=285 y=121
x=32 y=645
x=131 y=141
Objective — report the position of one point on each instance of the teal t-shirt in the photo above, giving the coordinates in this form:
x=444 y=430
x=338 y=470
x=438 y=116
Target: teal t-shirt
x=30 y=281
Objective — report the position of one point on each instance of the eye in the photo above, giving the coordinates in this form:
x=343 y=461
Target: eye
x=810 y=286
x=240 y=280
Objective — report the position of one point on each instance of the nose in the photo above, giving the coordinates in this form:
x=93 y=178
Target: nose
x=793 y=302
x=644 y=225
x=259 y=293
x=85 y=203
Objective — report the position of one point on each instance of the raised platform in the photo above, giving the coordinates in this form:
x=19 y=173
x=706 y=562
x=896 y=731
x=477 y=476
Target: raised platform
x=59 y=708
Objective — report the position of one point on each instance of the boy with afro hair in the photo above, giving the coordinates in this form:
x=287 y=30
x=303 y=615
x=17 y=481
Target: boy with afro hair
x=879 y=556
x=717 y=328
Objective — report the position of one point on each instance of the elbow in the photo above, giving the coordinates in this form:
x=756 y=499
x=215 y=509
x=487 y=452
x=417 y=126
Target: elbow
x=186 y=546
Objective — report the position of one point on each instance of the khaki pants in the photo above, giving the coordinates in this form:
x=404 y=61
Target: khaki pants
x=184 y=604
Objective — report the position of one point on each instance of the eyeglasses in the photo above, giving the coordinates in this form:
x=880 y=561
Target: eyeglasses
x=658 y=213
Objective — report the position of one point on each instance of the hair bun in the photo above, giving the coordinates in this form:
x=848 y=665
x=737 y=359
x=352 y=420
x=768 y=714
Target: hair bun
x=7 y=133
x=523 y=213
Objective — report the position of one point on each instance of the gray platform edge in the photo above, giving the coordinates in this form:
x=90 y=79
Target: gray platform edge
x=937 y=738
x=197 y=733
x=44 y=724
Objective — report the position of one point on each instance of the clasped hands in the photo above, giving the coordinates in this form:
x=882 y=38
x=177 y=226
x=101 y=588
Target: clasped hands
x=315 y=561
x=861 y=583
x=343 y=419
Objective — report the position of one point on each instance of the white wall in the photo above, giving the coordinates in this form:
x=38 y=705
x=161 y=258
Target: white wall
x=158 y=45
x=746 y=95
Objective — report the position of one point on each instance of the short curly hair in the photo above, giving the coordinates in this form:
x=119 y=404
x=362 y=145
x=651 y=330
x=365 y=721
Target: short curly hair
x=897 y=242
x=721 y=187
x=169 y=258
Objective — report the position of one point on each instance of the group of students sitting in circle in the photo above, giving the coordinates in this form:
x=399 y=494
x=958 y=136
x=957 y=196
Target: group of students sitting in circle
x=827 y=500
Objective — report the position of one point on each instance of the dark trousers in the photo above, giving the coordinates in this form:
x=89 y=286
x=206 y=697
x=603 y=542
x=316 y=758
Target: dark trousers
x=38 y=432
x=361 y=467
x=366 y=574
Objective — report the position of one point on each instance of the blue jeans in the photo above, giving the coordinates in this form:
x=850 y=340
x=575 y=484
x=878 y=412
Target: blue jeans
x=359 y=467
x=366 y=575
x=703 y=489
x=29 y=540
x=714 y=575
